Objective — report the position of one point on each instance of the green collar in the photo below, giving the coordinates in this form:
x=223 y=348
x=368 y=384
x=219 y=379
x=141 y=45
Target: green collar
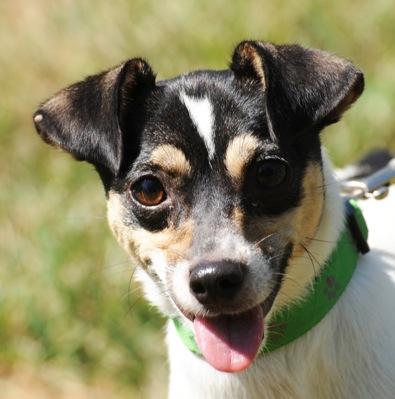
x=327 y=288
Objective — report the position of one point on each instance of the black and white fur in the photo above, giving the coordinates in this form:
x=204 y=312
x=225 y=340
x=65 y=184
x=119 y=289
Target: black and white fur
x=202 y=136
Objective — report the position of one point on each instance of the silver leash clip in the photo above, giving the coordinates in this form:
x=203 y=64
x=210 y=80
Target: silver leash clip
x=374 y=186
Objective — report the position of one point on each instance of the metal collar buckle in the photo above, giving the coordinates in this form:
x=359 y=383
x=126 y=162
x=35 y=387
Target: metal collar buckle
x=374 y=186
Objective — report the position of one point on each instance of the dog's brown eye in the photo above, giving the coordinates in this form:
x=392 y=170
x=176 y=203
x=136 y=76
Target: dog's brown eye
x=271 y=173
x=148 y=191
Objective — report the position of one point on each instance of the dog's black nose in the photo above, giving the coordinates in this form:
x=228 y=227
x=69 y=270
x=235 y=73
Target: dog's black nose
x=215 y=282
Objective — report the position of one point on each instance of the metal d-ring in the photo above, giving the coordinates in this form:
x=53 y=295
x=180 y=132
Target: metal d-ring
x=374 y=186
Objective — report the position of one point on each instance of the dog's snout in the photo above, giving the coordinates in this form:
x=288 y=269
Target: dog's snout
x=216 y=282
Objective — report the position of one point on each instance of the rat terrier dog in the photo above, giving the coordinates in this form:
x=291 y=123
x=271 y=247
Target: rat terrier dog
x=218 y=188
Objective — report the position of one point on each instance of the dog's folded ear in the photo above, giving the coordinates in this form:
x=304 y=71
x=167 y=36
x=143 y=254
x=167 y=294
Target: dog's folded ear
x=89 y=119
x=304 y=88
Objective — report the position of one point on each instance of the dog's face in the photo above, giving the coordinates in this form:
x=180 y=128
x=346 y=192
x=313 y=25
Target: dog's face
x=213 y=179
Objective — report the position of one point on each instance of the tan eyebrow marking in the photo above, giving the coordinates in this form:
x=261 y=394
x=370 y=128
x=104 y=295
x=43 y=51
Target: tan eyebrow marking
x=239 y=152
x=171 y=159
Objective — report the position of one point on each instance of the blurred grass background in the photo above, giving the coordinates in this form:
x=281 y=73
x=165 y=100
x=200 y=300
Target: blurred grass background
x=72 y=324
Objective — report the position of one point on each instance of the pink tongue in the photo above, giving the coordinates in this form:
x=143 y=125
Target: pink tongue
x=230 y=342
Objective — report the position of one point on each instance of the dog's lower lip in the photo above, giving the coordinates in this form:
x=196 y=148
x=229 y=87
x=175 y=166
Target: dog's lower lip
x=191 y=316
x=188 y=315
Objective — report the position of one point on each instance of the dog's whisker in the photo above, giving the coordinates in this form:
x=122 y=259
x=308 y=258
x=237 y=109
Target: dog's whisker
x=325 y=185
x=314 y=256
x=311 y=257
x=130 y=284
x=319 y=240
x=265 y=238
x=275 y=257
x=347 y=241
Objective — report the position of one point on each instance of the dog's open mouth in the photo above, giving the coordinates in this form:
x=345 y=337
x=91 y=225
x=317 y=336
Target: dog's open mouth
x=230 y=342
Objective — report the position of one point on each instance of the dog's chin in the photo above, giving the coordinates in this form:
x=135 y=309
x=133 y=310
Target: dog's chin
x=230 y=341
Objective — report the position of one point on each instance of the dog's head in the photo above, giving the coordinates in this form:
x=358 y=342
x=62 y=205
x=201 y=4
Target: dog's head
x=214 y=178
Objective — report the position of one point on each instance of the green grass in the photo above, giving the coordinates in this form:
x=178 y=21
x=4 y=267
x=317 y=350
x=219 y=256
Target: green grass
x=66 y=302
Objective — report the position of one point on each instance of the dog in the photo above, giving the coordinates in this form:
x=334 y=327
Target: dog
x=219 y=189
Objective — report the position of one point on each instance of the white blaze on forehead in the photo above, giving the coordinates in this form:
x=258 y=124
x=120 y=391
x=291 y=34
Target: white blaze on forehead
x=201 y=113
